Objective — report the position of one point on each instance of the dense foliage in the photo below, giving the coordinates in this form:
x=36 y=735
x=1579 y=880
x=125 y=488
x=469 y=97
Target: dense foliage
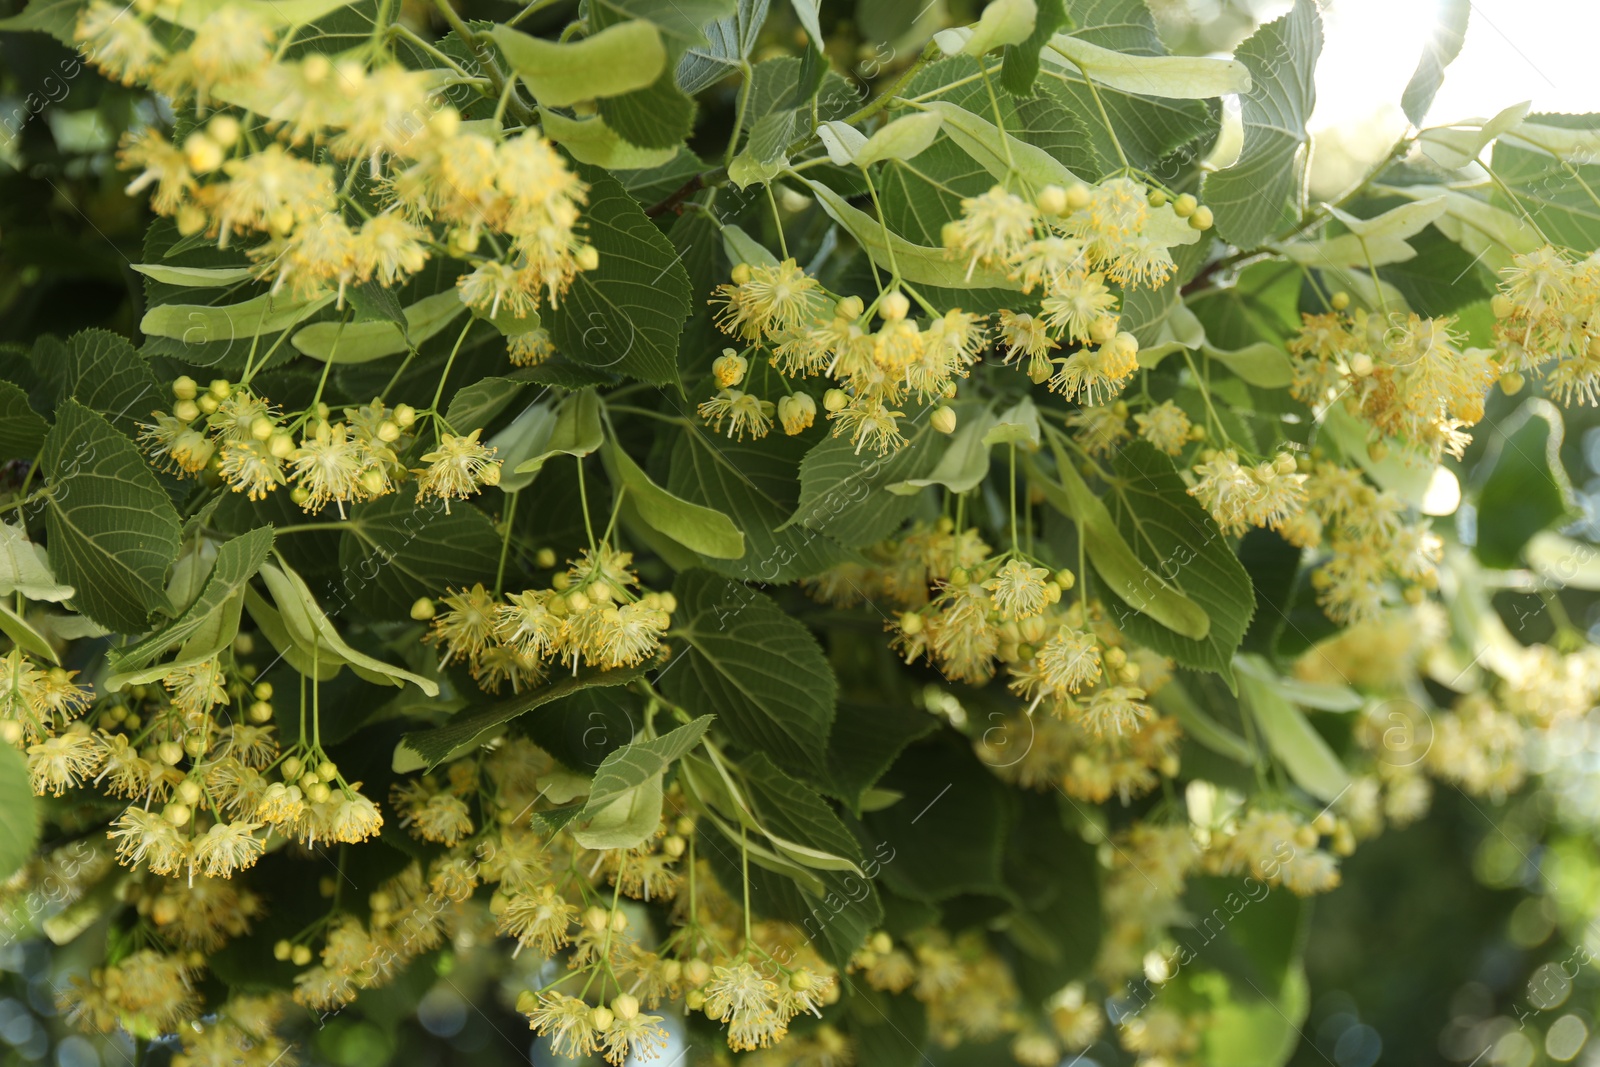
x=933 y=553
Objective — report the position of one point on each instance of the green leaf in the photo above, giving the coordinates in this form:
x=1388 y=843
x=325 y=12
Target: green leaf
x=1262 y=938
x=760 y=671
x=657 y=116
x=26 y=637
x=754 y=484
x=740 y=247
x=619 y=59
x=522 y=439
x=237 y=561
x=362 y=342
x=1115 y=558
x=1245 y=1030
x=1262 y=364
x=196 y=324
x=576 y=431
x=842 y=492
x=793 y=813
x=984 y=142
x=1175 y=538
x=425 y=749
x=628 y=768
x=1457 y=146
x=1003 y=22
x=476 y=405
x=1173 y=699
x=25 y=568
x=625 y=798
x=591 y=141
x=113 y=532
x=282 y=14
x=1148 y=128
x=917 y=263
x=1443 y=276
x=19 y=830
x=965 y=462
x=626 y=315
x=395 y=549
x=196 y=277
x=102 y=371
x=1556 y=193
x=947 y=835
x=1021 y=67
x=22 y=429
x=705 y=530
x=865 y=741
x=318 y=638
x=626 y=821
x=1526 y=489
x=58 y=18
x=270 y=622
x=1052 y=875
x=1017 y=425
x=1172 y=77
x=1298 y=746
x=683 y=20
x=729 y=41
x=905 y=137
x=1262 y=193
x=1441 y=49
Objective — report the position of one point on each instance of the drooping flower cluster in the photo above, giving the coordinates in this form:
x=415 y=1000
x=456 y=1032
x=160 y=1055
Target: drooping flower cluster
x=592 y=615
x=251 y=445
x=782 y=311
x=1075 y=244
x=438 y=183
x=1548 y=321
x=1268 y=494
x=1405 y=376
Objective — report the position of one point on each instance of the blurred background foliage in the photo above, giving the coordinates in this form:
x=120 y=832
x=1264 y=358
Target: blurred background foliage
x=1466 y=938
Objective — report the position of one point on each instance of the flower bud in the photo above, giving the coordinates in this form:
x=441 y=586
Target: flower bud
x=1052 y=200
x=201 y=153
x=729 y=368
x=944 y=419
x=894 y=307
x=1202 y=219
x=185 y=387
x=835 y=400
x=1185 y=205
x=224 y=129
x=796 y=413
x=1339 y=301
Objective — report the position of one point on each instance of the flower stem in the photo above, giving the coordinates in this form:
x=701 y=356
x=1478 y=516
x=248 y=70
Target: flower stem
x=505 y=546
